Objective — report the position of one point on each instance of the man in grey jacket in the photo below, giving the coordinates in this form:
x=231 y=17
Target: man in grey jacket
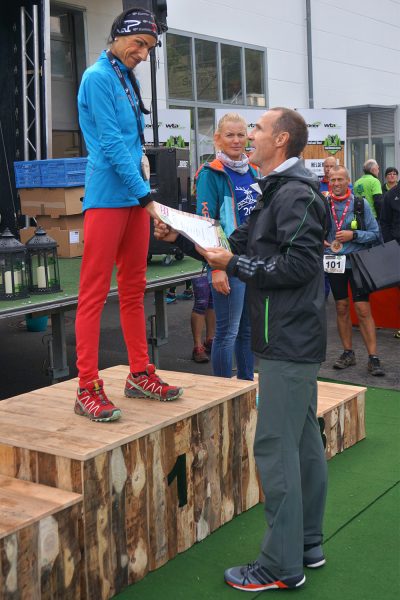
x=278 y=253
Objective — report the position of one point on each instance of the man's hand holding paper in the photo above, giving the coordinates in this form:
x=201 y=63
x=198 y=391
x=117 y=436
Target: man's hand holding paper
x=204 y=232
x=218 y=258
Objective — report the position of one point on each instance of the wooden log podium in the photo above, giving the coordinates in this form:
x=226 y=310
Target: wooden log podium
x=152 y=484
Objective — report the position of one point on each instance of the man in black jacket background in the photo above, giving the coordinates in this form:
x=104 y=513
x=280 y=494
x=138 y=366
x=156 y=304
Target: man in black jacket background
x=278 y=253
x=390 y=215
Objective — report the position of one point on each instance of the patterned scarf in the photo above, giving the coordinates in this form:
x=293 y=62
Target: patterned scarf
x=240 y=166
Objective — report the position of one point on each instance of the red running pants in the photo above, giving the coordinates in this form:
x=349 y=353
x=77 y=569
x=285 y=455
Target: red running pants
x=112 y=236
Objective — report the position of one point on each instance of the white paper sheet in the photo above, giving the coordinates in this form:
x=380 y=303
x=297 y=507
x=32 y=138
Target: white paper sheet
x=205 y=232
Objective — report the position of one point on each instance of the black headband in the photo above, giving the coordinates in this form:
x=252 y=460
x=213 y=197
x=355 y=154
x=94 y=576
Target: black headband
x=135 y=22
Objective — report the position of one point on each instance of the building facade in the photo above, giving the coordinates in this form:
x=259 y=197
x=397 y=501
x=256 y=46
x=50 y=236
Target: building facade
x=224 y=54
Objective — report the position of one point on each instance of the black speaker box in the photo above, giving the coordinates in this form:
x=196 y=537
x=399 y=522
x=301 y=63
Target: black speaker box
x=170 y=185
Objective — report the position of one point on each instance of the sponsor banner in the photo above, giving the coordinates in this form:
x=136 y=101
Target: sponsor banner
x=173 y=128
x=326 y=137
x=316 y=165
x=326 y=133
x=326 y=127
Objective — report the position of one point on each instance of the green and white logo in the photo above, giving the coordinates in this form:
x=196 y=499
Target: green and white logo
x=175 y=142
x=332 y=144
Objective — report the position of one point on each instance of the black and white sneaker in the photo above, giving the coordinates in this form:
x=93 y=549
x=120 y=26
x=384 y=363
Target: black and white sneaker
x=255 y=578
x=313 y=557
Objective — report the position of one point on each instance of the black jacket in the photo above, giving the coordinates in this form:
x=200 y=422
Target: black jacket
x=390 y=215
x=280 y=252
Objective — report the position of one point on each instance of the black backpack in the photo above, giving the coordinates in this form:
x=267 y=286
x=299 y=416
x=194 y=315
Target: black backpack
x=359 y=212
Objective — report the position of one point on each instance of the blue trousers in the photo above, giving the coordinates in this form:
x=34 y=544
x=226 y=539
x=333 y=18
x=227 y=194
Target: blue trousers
x=232 y=332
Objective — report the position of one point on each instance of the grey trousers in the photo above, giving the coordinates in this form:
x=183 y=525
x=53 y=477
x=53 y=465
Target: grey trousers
x=291 y=462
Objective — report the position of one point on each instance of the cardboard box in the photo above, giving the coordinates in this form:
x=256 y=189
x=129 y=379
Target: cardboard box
x=26 y=234
x=69 y=241
x=53 y=202
x=66 y=222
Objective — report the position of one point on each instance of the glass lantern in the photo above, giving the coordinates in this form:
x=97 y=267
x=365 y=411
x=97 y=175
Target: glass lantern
x=43 y=270
x=13 y=276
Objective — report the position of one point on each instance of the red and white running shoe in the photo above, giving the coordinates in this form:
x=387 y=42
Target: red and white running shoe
x=150 y=385
x=92 y=402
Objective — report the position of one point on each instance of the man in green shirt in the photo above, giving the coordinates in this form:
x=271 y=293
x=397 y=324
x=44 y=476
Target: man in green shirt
x=369 y=186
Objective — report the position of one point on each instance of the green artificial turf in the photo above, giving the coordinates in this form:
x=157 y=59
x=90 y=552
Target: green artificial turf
x=361 y=529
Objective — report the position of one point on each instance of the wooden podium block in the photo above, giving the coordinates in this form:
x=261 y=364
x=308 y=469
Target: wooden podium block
x=343 y=409
x=163 y=477
x=39 y=541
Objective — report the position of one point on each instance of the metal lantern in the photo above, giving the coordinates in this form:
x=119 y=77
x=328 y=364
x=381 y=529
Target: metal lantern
x=13 y=278
x=43 y=270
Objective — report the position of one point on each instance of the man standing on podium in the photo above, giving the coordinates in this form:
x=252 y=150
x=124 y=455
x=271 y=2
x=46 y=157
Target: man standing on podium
x=278 y=254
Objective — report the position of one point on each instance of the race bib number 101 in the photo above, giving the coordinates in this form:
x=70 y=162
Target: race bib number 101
x=334 y=263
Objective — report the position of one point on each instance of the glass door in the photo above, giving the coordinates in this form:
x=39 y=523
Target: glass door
x=66 y=41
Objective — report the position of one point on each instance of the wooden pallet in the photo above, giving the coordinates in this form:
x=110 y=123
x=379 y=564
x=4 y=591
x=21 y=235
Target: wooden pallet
x=342 y=407
x=39 y=541
x=163 y=477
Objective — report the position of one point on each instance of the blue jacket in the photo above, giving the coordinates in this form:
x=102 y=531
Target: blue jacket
x=216 y=196
x=113 y=174
x=369 y=236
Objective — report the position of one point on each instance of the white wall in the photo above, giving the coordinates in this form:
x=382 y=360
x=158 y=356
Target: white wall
x=278 y=25
x=356 y=51
x=356 y=45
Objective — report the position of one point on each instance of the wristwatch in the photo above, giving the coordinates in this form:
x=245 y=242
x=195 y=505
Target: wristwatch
x=355 y=235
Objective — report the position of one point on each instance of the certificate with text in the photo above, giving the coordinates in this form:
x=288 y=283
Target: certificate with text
x=203 y=231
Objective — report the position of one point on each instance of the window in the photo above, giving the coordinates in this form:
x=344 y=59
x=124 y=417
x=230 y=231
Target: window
x=206 y=118
x=61 y=59
x=60 y=24
x=180 y=80
x=193 y=156
x=204 y=74
x=231 y=74
x=206 y=70
x=254 y=66
x=67 y=45
x=358 y=153
x=370 y=134
x=383 y=152
x=223 y=73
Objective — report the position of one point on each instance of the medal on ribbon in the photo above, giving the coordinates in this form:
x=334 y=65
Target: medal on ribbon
x=336 y=246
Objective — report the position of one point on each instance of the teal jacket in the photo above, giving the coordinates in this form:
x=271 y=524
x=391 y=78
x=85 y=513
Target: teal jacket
x=113 y=174
x=215 y=195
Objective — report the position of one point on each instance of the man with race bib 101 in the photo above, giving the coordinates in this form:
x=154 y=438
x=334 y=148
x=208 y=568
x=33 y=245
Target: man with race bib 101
x=350 y=232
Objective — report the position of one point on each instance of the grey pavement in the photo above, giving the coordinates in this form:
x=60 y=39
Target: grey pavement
x=23 y=354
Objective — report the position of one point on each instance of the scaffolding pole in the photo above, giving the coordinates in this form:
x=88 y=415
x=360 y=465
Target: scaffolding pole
x=30 y=83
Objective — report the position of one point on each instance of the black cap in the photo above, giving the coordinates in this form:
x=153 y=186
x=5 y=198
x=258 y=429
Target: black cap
x=135 y=21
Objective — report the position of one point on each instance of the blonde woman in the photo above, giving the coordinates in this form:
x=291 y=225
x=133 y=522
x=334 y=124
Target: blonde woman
x=224 y=192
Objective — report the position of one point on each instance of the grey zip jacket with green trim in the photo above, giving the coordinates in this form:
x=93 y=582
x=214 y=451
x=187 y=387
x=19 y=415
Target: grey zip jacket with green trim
x=279 y=255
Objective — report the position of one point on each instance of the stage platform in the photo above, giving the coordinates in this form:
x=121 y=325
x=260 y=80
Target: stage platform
x=143 y=488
